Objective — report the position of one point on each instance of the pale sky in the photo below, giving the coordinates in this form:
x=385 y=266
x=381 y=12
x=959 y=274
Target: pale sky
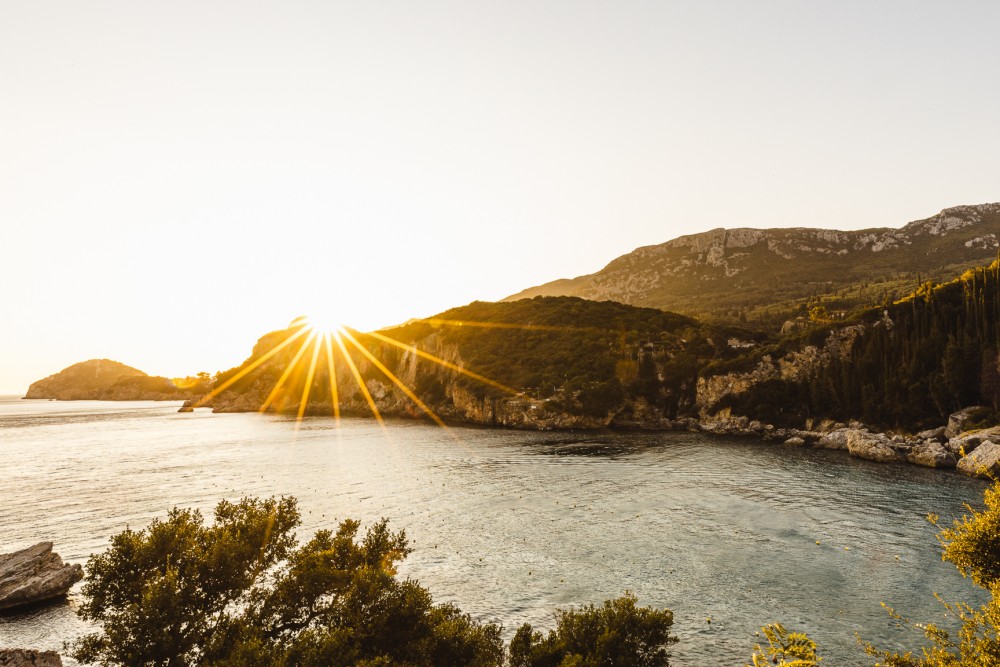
x=177 y=178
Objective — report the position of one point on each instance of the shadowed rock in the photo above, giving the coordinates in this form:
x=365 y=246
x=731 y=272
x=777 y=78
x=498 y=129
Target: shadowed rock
x=959 y=421
x=19 y=657
x=33 y=575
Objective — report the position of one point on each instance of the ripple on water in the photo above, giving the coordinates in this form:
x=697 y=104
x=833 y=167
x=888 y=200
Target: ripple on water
x=512 y=525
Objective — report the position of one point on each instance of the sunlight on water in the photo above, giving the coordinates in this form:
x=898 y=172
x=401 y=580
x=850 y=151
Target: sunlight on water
x=511 y=525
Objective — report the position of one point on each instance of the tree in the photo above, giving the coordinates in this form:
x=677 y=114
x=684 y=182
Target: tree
x=241 y=592
x=617 y=633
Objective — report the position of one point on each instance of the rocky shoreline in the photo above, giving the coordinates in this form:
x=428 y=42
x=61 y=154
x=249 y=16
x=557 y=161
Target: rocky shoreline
x=970 y=451
x=973 y=452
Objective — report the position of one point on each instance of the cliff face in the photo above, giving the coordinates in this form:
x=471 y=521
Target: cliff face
x=723 y=271
x=106 y=380
x=796 y=366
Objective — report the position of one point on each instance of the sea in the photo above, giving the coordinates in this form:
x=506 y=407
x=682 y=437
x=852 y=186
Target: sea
x=511 y=525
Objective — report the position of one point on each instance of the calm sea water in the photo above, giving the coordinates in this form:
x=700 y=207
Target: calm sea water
x=513 y=525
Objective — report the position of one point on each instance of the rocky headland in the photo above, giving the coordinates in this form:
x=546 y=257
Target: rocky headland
x=107 y=380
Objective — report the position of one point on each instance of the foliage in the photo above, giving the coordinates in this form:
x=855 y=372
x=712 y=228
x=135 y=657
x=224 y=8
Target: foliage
x=617 y=633
x=917 y=361
x=786 y=649
x=972 y=544
x=241 y=591
x=580 y=357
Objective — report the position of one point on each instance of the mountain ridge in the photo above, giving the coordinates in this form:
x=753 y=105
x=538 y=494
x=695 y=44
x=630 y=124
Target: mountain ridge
x=724 y=272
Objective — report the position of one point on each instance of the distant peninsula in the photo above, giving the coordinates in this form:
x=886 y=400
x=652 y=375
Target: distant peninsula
x=107 y=380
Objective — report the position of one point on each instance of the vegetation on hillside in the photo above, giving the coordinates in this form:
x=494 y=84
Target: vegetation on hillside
x=917 y=360
x=579 y=357
x=590 y=356
x=107 y=380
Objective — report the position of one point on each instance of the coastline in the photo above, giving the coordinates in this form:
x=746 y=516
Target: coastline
x=973 y=452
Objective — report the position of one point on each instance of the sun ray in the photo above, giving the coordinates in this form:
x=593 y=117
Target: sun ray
x=249 y=369
x=279 y=385
x=357 y=376
x=395 y=380
x=304 y=401
x=442 y=362
x=334 y=397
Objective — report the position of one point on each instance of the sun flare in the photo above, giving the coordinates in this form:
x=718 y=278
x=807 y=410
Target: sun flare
x=324 y=324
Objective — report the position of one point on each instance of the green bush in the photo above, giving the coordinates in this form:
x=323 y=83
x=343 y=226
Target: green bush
x=617 y=633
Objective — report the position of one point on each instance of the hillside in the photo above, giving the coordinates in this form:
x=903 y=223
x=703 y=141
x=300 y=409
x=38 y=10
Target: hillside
x=538 y=363
x=905 y=366
x=566 y=362
x=767 y=275
x=104 y=379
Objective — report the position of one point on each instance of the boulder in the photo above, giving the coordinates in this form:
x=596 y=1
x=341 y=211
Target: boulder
x=963 y=445
x=19 y=657
x=33 y=575
x=795 y=441
x=933 y=434
x=871 y=446
x=983 y=462
x=932 y=454
x=960 y=420
x=834 y=439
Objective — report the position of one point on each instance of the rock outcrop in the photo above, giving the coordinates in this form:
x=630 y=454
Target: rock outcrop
x=931 y=454
x=982 y=462
x=19 y=657
x=959 y=421
x=836 y=439
x=795 y=366
x=872 y=446
x=34 y=575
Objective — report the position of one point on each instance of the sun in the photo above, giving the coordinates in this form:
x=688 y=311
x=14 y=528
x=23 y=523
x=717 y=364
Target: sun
x=324 y=323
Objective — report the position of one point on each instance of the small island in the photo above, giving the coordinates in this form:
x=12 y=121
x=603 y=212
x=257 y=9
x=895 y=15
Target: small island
x=107 y=380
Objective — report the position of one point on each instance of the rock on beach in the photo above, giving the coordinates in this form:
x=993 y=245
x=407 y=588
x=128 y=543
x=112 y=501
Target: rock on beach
x=19 y=657
x=33 y=575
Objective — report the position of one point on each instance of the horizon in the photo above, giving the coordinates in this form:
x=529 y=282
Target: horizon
x=179 y=181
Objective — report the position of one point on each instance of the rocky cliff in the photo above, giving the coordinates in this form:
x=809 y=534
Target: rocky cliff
x=725 y=272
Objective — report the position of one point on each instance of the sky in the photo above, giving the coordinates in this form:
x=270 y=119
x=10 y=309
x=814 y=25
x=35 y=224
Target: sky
x=178 y=178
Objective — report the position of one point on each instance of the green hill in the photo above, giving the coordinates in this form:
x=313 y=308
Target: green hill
x=107 y=380
x=538 y=363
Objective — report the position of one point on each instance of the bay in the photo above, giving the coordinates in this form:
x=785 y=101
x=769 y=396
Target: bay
x=511 y=525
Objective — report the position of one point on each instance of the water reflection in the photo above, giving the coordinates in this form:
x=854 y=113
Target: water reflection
x=511 y=525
